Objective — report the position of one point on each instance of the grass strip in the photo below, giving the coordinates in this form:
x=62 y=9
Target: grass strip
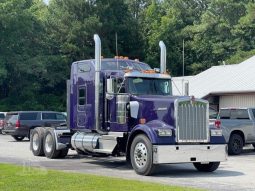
x=25 y=178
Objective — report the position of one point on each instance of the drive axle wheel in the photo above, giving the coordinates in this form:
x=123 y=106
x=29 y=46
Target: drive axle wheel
x=63 y=153
x=49 y=145
x=210 y=167
x=141 y=155
x=36 y=141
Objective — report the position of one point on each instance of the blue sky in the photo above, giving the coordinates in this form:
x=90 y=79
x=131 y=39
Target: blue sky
x=46 y=1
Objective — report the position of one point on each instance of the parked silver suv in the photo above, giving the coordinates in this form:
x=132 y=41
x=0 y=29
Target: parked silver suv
x=238 y=127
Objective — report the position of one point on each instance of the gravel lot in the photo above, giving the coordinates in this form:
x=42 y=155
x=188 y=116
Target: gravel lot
x=236 y=174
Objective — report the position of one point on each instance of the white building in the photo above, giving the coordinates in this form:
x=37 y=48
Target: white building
x=222 y=86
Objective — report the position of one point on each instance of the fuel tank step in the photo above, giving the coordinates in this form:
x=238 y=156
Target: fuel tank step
x=104 y=151
x=107 y=142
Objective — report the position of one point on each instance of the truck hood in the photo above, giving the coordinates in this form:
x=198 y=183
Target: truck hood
x=156 y=108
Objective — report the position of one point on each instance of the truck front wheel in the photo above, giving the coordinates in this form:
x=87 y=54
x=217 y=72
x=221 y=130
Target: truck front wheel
x=141 y=155
x=210 y=167
x=36 y=141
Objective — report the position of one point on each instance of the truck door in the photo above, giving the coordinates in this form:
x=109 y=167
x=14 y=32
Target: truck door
x=116 y=108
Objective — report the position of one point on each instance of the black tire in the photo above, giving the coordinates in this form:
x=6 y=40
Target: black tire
x=29 y=134
x=18 y=138
x=235 y=144
x=141 y=155
x=49 y=144
x=1 y=132
x=253 y=144
x=210 y=167
x=63 y=153
x=36 y=141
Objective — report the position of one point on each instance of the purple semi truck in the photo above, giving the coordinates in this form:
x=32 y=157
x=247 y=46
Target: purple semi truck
x=121 y=107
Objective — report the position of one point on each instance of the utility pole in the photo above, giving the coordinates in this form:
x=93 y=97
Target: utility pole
x=116 y=43
x=183 y=67
x=183 y=57
x=117 y=53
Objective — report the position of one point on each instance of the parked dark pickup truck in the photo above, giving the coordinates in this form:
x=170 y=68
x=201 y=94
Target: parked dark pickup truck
x=238 y=127
x=2 y=116
x=19 y=124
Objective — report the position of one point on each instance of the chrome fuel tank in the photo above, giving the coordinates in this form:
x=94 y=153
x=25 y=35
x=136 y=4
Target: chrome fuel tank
x=86 y=142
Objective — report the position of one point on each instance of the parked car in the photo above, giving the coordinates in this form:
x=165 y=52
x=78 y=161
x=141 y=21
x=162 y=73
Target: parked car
x=19 y=124
x=238 y=127
x=2 y=116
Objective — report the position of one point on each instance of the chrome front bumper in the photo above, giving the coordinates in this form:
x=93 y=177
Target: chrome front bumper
x=189 y=153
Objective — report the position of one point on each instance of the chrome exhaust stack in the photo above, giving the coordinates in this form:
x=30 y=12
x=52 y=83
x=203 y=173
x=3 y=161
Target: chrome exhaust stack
x=162 y=57
x=97 y=79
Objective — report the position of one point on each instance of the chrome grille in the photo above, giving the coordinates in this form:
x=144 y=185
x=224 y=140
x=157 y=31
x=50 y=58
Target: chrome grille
x=192 y=121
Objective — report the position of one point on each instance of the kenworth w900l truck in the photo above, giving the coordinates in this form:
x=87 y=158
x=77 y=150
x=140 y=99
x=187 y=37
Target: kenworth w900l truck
x=122 y=107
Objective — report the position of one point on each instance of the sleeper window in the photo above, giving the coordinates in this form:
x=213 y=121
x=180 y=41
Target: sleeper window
x=82 y=96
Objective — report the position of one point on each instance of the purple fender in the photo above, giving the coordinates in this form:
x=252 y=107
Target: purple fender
x=144 y=129
x=150 y=130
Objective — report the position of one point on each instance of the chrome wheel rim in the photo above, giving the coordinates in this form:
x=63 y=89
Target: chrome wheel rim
x=35 y=142
x=48 y=143
x=140 y=155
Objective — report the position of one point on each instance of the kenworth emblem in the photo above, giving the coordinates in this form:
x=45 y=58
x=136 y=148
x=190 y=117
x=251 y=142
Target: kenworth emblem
x=192 y=100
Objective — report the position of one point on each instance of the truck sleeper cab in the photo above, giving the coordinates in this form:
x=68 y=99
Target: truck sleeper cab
x=123 y=107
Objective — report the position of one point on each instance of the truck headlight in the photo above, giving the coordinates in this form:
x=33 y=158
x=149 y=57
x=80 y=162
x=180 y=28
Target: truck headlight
x=164 y=132
x=216 y=132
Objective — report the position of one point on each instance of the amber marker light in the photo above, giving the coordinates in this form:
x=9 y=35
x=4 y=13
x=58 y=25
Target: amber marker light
x=142 y=121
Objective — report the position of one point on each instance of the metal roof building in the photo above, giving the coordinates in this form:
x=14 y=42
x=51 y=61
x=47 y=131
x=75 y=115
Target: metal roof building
x=223 y=86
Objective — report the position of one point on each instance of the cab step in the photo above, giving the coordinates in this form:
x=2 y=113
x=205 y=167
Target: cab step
x=107 y=143
x=104 y=151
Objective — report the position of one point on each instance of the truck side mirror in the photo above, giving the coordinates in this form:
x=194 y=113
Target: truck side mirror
x=134 y=108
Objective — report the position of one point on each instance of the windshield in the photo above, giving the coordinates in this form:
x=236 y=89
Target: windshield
x=149 y=86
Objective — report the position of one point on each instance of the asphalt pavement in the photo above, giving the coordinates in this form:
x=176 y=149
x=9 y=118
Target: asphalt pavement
x=236 y=174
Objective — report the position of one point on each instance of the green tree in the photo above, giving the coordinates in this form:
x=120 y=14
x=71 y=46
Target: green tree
x=116 y=18
x=20 y=49
x=166 y=20
x=212 y=38
x=244 y=36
